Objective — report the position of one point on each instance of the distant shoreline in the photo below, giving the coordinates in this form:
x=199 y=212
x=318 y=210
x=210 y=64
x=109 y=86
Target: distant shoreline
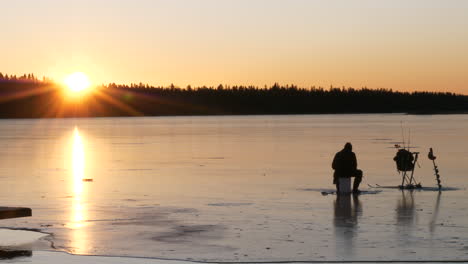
x=234 y=115
x=35 y=99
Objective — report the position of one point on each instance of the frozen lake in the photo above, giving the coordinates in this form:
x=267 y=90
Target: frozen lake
x=235 y=188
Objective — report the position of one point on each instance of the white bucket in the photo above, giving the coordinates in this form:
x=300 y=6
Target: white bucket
x=345 y=185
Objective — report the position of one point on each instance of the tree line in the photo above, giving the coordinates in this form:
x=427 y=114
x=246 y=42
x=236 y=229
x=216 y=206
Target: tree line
x=28 y=97
x=30 y=77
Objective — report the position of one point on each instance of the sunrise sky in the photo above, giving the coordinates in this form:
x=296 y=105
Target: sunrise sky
x=403 y=45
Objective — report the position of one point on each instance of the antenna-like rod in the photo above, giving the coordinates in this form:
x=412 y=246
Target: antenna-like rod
x=402 y=134
x=409 y=138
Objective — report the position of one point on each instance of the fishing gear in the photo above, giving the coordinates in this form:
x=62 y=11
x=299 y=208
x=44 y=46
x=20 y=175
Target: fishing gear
x=406 y=162
x=431 y=156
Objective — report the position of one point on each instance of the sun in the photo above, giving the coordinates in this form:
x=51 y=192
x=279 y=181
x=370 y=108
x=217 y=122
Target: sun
x=77 y=82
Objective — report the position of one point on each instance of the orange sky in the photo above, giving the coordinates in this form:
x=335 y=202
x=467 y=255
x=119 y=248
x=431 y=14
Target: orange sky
x=403 y=45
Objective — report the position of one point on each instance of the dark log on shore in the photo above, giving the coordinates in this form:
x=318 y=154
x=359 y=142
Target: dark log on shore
x=14 y=212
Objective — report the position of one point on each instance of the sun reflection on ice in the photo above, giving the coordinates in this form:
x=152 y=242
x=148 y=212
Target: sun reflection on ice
x=78 y=161
x=78 y=210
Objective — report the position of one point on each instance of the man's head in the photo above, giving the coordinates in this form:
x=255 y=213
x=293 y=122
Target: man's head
x=348 y=147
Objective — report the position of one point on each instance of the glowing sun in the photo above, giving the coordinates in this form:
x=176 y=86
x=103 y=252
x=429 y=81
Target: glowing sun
x=77 y=82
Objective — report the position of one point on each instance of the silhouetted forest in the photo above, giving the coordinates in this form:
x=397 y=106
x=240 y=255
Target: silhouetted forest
x=28 y=97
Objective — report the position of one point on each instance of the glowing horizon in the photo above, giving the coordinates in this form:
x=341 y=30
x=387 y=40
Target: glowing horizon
x=400 y=45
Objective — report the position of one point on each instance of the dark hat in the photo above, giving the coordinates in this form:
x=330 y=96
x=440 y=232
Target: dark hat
x=348 y=146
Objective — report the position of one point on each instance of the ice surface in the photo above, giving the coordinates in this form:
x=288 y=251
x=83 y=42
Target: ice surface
x=161 y=188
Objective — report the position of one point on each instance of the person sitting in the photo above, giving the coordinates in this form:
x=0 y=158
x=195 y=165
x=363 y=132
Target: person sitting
x=345 y=166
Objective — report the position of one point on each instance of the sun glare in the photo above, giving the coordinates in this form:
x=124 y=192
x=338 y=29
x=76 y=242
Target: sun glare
x=77 y=82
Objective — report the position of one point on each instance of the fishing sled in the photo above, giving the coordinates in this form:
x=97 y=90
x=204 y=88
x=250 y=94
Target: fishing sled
x=405 y=187
x=326 y=192
x=417 y=188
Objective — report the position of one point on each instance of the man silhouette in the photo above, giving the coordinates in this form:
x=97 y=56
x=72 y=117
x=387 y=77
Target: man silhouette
x=345 y=166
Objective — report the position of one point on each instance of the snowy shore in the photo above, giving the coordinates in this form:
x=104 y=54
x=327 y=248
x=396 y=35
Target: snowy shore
x=16 y=246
